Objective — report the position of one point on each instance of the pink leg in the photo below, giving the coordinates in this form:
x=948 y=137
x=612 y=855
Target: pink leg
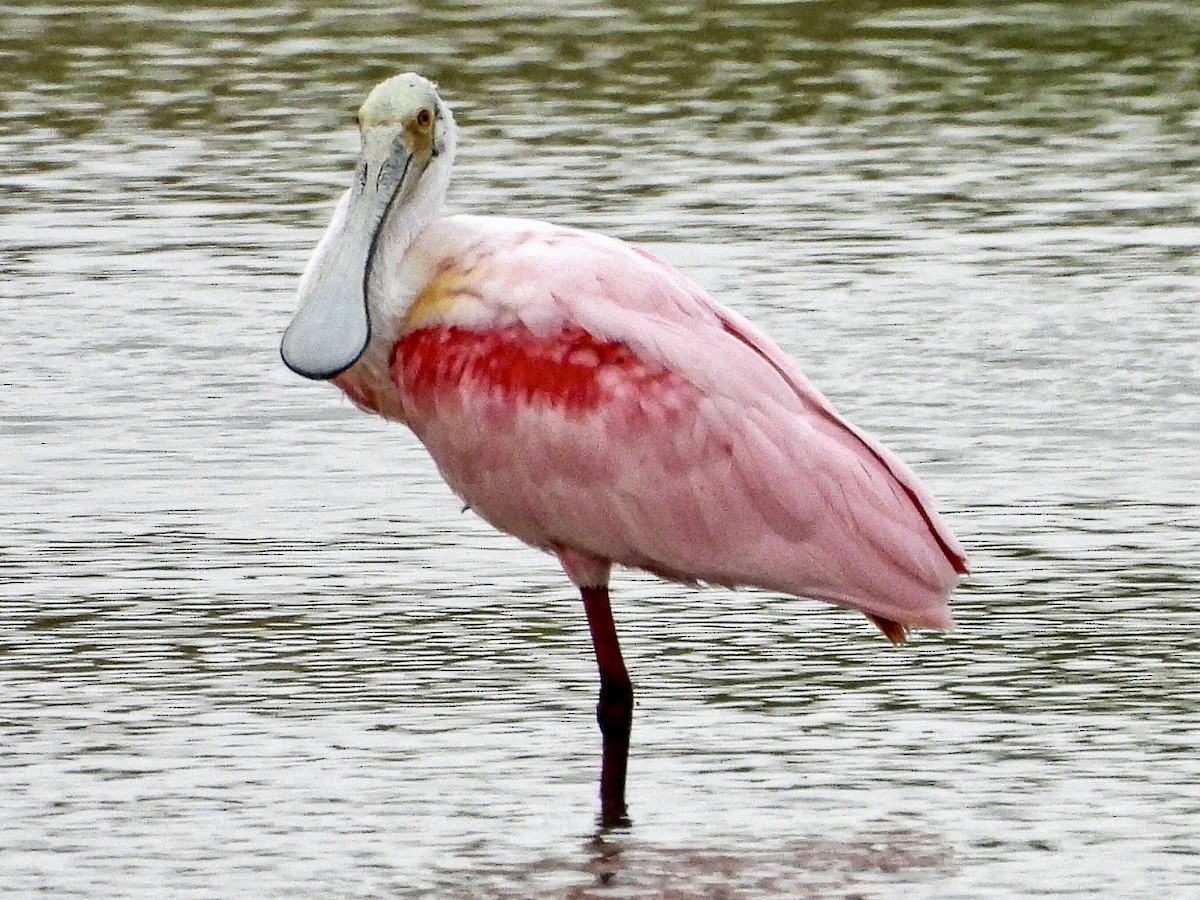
x=614 y=712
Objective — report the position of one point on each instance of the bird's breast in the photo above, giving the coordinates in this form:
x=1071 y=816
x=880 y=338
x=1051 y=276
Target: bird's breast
x=509 y=369
x=510 y=417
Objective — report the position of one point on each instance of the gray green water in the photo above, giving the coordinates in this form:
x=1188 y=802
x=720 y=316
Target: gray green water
x=250 y=646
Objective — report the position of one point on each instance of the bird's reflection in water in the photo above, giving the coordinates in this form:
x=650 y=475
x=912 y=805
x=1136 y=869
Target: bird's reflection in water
x=616 y=864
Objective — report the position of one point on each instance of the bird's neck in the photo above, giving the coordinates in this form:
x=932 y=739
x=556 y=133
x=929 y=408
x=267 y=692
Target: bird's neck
x=391 y=290
x=389 y=293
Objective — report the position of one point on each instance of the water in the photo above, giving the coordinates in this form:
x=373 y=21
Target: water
x=249 y=643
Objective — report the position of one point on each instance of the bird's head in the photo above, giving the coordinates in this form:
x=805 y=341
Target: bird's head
x=399 y=182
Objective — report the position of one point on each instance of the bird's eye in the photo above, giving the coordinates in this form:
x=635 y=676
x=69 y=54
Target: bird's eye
x=424 y=118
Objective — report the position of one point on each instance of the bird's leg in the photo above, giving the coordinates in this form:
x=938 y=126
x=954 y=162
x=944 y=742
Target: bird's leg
x=614 y=711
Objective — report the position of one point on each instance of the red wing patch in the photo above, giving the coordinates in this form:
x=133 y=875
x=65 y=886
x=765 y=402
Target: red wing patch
x=569 y=370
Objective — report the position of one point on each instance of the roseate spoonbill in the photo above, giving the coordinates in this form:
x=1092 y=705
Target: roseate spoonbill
x=579 y=393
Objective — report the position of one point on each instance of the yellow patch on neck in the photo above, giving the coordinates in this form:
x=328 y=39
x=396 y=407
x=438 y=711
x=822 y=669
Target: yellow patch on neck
x=450 y=297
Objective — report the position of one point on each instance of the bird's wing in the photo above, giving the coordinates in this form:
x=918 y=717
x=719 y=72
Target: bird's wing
x=581 y=393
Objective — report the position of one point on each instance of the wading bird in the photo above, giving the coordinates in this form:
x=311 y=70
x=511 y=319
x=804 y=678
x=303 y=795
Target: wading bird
x=579 y=393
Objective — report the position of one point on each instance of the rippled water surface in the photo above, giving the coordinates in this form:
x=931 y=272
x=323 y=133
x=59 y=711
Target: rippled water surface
x=250 y=645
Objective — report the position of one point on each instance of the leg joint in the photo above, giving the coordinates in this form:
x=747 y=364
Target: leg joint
x=614 y=711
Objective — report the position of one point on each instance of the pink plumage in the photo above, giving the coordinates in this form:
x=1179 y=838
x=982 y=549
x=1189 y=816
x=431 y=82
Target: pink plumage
x=581 y=394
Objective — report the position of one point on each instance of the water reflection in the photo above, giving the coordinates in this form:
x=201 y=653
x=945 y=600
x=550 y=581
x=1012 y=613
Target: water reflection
x=613 y=867
x=248 y=640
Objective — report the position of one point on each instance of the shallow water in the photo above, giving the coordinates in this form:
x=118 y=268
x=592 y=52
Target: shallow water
x=250 y=643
